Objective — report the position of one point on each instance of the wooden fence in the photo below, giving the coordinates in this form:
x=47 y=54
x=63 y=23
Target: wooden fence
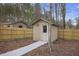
x=69 y=34
x=14 y=33
x=21 y=33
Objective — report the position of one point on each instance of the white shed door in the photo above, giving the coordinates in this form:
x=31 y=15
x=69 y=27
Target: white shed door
x=44 y=35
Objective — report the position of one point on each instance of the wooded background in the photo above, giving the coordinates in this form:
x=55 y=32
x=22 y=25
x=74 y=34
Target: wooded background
x=29 y=12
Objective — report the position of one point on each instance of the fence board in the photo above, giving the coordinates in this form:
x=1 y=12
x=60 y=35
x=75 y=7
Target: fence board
x=69 y=34
x=14 y=33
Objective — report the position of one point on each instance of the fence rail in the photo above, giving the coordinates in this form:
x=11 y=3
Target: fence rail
x=69 y=34
x=14 y=33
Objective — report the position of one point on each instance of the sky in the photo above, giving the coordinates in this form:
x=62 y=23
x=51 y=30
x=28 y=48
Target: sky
x=72 y=10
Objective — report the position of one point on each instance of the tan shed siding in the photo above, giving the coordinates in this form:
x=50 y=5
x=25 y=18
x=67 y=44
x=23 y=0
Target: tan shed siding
x=37 y=30
x=35 y=33
x=53 y=33
x=42 y=23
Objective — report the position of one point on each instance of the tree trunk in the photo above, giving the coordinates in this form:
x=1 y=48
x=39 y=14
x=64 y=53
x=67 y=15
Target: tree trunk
x=51 y=9
x=37 y=10
x=63 y=10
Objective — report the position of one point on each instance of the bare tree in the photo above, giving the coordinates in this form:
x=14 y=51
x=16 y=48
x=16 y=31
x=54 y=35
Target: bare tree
x=77 y=22
x=69 y=24
x=56 y=12
x=51 y=9
x=37 y=10
x=63 y=13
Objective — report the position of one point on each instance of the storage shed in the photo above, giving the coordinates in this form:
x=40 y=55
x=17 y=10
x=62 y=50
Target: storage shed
x=20 y=24
x=44 y=30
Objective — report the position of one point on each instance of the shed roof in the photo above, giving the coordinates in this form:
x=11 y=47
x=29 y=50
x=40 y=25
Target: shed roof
x=42 y=19
x=55 y=25
x=20 y=22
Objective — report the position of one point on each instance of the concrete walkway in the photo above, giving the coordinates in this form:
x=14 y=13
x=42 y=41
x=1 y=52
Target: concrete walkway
x=23 y=50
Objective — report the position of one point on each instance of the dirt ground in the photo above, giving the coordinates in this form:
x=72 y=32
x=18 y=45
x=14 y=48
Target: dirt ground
x=59 y=48
x=14 y=44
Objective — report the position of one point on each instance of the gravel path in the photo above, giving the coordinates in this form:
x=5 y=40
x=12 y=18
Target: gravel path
x=59 y=48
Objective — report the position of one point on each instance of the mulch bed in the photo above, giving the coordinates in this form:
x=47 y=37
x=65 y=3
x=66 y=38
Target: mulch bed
x=59 y=48
x=14 y=44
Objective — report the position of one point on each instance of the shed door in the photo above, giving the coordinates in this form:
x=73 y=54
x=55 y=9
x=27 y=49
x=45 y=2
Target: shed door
x=44 y=33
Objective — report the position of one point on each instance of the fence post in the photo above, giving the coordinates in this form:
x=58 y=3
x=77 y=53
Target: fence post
x=63 y=33
x=72 y=34
x=11 y=34
x=24 y=34
x=16 y=33
x=58 y=33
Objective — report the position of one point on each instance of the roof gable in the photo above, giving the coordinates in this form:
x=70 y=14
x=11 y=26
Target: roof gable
x=41 y=19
